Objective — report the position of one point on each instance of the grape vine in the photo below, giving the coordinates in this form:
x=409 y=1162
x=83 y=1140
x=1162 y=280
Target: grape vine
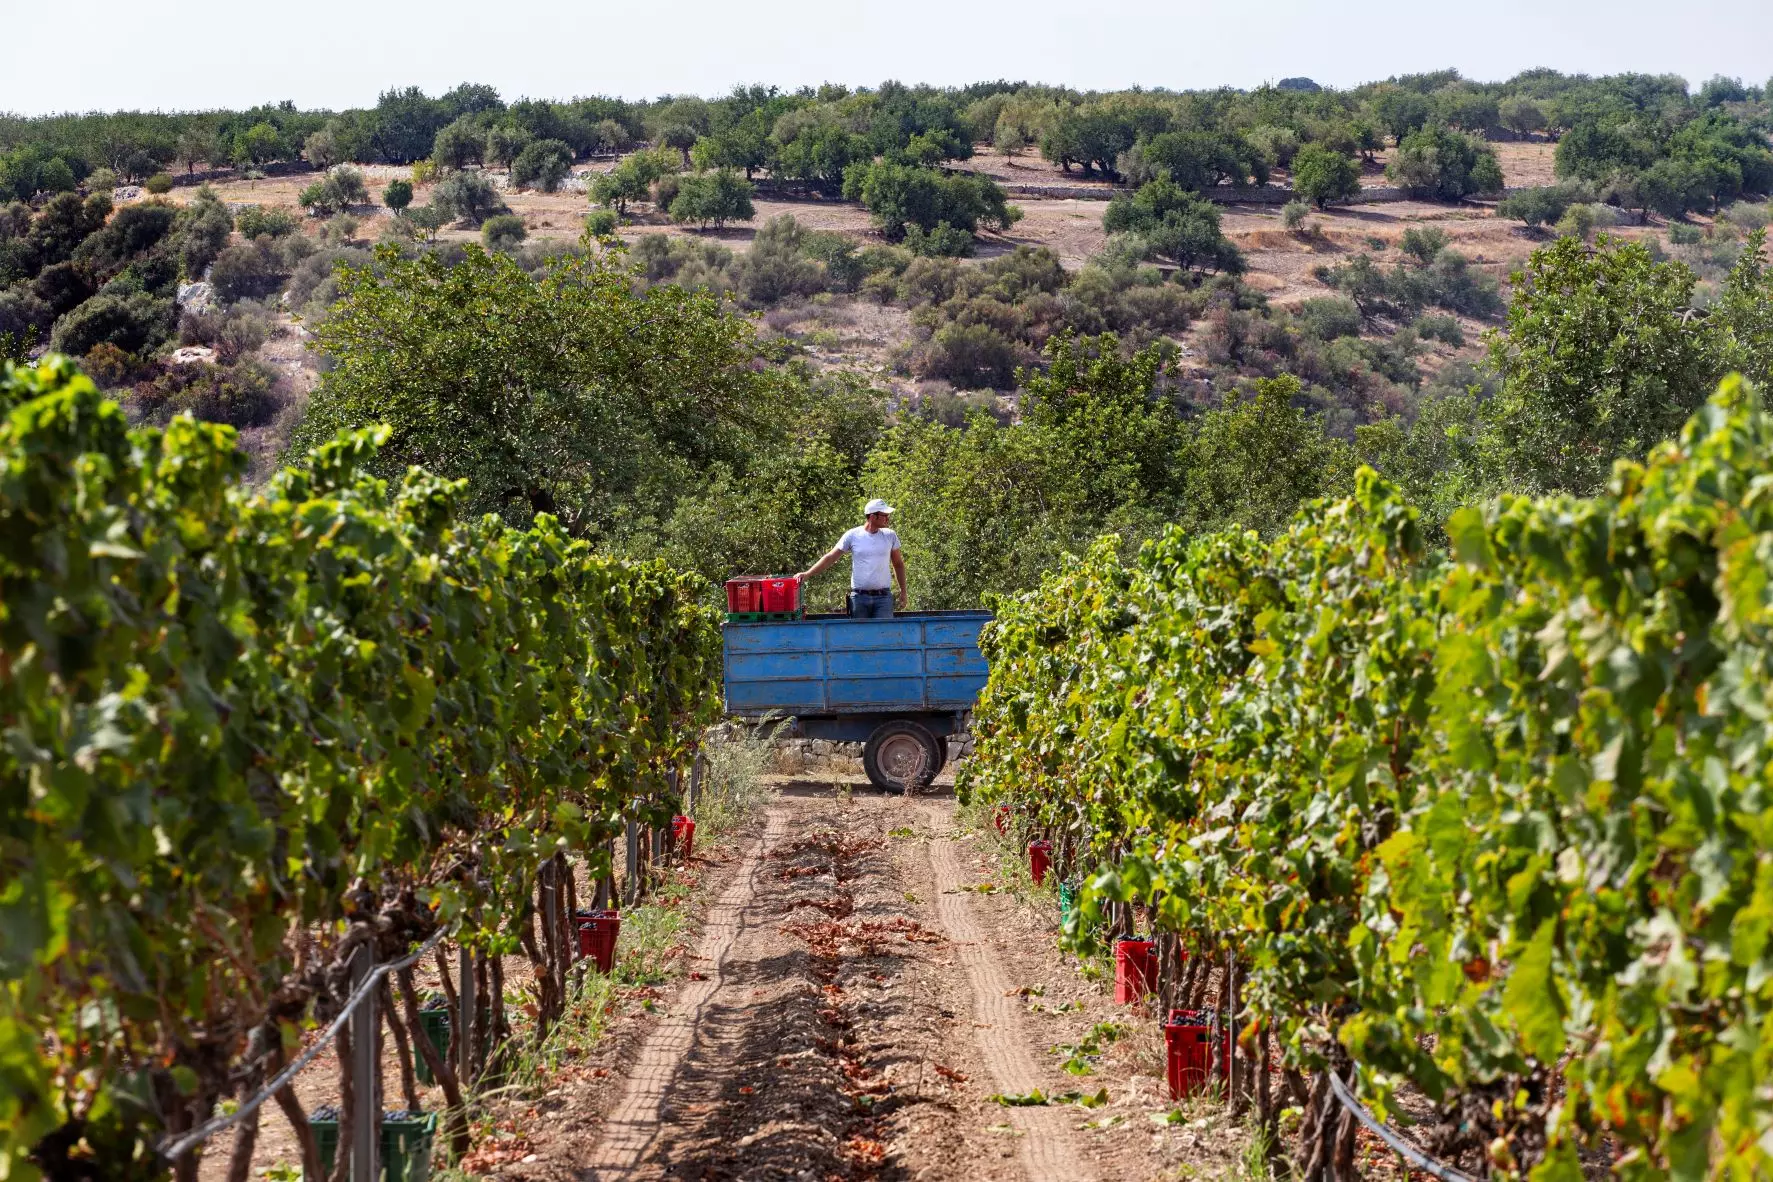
x=1494 y=824
x=246 y=728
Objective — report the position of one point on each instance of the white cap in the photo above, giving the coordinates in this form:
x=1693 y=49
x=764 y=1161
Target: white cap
x=876 y=506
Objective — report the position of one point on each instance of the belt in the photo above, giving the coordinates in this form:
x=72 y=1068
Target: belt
x=871 y=590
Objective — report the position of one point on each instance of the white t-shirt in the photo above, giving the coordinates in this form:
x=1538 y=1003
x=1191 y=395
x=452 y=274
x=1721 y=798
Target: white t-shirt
x=871 y=557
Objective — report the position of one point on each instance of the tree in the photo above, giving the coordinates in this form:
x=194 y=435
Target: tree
x=630 y=180
x=259 y=144
x=1251 y=464
x=1600 y=359
x=427 y=220
x=1544 y=205
x=543 y=165
x=901 y=195
x=503 y=231
x=1744 y=314
x=459 y=144
x=336 y=191
x=718 y=197
x=574 y=393
x=1521 y=115
x=194 y=147
x=1399 y=112
x=398 y=195
x=467 y=196
x=1438 y=162
x=1321 y=175
x=503 y=143
x=1171 y=223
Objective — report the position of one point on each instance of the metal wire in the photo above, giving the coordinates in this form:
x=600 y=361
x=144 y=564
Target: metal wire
x=1404 y=1149
x=210 y=1128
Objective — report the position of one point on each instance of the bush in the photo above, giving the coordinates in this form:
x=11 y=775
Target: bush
x=458 y=145
x=717 y=197
x=1294 y=213
x=504 y=143
x=100 y=180
x=1423 y=242
x=398 y=195
x=158 y=184
x=200 y=232
x=503 y=231
x=135 y=230
x=232 y=332
x=240 y=395
x=135 y=323
x=468 y=197
x=250 y=270
x=1437 y=326
x=1684 y=235
x=941 y=241
x=256 y=221
x=1329 y=317
x=601 y=223
x=543 y=165
x=972 y=356
x=776 y=268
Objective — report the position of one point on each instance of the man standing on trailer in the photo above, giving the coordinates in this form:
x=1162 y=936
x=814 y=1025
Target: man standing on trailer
x=874 y=562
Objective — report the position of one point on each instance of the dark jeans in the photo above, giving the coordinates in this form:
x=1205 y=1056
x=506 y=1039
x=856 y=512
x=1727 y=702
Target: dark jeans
x=871 y=605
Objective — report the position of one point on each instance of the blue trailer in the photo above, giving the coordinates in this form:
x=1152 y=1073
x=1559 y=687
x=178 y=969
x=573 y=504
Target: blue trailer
x=900 y=687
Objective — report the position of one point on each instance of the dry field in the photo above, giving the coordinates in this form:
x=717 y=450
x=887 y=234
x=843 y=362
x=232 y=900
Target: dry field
x=846 y=333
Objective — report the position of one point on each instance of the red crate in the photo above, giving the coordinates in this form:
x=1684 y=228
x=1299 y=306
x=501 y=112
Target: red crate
x=1000 y=817
x=597 y=936
x=1135 y=969
x=683 y=831
x=1191 y=1038
x=1040 y=857
x=780 y=595
x=745 y=594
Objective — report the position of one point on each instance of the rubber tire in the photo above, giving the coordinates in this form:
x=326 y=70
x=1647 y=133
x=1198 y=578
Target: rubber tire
x=892 y=735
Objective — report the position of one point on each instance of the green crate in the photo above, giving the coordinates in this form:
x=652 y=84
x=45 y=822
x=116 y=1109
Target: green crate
x=435 y=1024
x=406 y=1147
x=1067 y=902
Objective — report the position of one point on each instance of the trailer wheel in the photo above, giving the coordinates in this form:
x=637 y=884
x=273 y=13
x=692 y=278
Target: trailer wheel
x=901 y=756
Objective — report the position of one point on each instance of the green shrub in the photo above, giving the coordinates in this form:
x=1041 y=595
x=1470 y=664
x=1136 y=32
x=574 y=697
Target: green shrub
x=250 y=270
x=1681 y=234
x=940 y=241
x=972 y=356
x=1329 y=317
x=503 y=231
x=398 y=195
x=1438 y=162
x=1423 y=242
x=601 y=223
x=256 y=221
x=135 y=323
x=1438 y=326
x=1294 y=213
x=543 y=164
x=158 y=184
x=200 y=231
x=1543 y=206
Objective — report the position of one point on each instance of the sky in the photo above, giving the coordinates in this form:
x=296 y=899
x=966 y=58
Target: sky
x=201 y=54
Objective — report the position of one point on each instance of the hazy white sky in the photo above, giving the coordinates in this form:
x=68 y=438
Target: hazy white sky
x=186 y=54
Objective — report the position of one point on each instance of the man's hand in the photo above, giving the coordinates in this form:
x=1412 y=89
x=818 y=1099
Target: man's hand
x=904 y=600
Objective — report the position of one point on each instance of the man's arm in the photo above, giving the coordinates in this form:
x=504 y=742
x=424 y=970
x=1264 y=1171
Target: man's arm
x=899 y=570
x=825 y=562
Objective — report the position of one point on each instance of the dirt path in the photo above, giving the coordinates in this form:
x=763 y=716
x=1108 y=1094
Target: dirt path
x=1046 y=1151
x=641 y=1114
x=857 y=1005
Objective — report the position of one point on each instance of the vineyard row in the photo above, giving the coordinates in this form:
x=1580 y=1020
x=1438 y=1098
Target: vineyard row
x=1494 y=825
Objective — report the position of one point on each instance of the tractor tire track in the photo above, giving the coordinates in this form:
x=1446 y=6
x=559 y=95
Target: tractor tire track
x=1046 y=1150
x=634 y=1126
